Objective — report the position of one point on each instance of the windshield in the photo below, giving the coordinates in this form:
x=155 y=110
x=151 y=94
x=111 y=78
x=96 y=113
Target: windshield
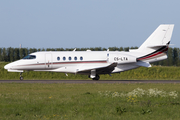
x=30 y=57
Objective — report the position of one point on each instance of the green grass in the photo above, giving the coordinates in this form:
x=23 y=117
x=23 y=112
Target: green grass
x=142 y=73
x=83 y=102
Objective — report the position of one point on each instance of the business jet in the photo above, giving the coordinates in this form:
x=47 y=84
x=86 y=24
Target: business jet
x=94 y=63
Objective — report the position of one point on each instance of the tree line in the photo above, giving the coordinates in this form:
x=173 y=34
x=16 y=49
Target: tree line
x=12 y=54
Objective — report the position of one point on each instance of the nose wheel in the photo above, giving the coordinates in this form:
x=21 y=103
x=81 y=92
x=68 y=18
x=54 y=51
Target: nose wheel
x=21 y=78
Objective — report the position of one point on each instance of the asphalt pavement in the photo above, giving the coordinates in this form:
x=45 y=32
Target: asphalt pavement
x=89 y=81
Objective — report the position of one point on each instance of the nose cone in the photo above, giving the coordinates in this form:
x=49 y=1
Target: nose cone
x=11 y=66
x=7 y=67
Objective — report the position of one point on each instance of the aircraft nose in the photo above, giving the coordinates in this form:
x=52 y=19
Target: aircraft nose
x=7 y=66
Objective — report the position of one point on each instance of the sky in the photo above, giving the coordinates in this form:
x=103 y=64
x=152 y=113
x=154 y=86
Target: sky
x=84 y=23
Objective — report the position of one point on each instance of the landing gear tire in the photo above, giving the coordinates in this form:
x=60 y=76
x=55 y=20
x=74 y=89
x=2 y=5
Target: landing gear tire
x=21 y=78
x=96 y=78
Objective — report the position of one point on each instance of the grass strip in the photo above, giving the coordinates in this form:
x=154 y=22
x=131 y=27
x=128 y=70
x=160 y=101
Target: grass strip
x=21 y=101
x=142 y=73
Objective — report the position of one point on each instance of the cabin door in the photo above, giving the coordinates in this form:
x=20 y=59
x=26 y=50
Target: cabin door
x=48 y=61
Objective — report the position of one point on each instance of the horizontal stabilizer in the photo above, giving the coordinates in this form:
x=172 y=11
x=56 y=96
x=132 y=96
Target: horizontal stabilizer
x=154 y=46
x=143 y=64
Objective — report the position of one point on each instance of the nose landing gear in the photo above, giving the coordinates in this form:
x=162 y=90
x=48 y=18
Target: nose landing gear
x=21 y=78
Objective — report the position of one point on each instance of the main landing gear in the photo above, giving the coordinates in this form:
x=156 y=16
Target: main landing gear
x=21 y=78
x=93 y=75
x=97 y=77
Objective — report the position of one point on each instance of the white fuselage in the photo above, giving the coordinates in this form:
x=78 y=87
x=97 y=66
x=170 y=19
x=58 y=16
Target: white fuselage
x=71 y=62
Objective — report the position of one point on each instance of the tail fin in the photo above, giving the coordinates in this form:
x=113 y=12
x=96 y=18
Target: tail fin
x=156 y=45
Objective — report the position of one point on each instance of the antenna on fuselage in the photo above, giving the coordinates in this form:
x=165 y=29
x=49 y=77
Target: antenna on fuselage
x=20 y=46
x=74 y=49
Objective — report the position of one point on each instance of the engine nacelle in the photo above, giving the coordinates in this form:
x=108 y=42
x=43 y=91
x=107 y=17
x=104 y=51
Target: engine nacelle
x=121 y=58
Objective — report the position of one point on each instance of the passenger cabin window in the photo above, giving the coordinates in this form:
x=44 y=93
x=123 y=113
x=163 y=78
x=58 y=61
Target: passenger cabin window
x=81 y=58
x=58 y=58
x=64 y=58
x=30 y=57
x=69 y=58
x=75 y=58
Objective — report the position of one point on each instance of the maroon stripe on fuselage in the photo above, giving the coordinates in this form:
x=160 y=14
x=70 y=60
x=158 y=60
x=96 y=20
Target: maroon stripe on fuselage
x=160 y=51
x=74 y=62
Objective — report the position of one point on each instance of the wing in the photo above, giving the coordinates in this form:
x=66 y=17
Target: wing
x=99 y=70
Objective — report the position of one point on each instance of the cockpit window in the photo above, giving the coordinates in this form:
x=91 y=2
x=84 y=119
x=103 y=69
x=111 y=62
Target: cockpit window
x=30 y=57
